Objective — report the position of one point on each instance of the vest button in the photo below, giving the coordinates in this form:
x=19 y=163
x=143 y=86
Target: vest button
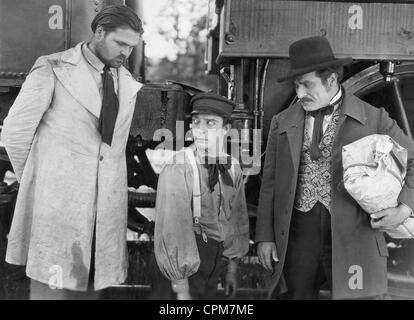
x=100 y=158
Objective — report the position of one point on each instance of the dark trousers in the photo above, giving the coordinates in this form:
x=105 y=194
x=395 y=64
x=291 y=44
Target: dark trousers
x=308 y=263
x=203 y=284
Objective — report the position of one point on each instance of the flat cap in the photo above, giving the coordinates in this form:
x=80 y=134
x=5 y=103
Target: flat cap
x=212 y=103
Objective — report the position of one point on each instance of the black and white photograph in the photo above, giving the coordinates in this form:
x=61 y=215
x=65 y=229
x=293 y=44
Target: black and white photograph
x=229 y=151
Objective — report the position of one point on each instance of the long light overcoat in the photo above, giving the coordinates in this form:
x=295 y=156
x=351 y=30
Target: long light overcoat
x=357 y=249
x=68 y=178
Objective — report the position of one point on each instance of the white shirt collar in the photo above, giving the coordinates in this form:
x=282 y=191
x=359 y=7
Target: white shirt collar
x=336 y=97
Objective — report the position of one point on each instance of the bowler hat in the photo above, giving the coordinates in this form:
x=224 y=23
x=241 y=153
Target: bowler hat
x=212 y=103
x=311 y=54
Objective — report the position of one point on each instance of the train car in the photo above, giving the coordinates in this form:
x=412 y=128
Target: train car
x=248 y=45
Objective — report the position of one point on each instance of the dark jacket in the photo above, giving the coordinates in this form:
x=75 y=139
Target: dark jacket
x=354 y=242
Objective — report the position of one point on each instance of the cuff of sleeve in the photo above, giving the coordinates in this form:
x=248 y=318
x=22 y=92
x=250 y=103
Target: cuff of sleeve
x=408 y=225
x=406 y=198
x=179 y=286
x=411 y=210
x=263 y=235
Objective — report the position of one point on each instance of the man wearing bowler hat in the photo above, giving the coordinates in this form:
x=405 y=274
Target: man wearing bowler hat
x=201 y=211
x=309 y=230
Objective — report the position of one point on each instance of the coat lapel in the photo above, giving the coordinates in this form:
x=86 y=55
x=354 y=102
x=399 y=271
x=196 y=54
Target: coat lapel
x=293 y=124
x=74 y=75
x=351 y=107
x=128 y=88
x=294 y=121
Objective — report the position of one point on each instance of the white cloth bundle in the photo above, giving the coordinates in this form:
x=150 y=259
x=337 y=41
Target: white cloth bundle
x=374 y=171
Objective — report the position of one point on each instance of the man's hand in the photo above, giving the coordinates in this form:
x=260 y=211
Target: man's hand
x=231 y=279
x=266 y=251
x=390 y=218
x=184 y=296
x=181 y=288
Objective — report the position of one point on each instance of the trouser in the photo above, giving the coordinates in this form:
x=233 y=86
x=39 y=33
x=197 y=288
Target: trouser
x=308 y=263
x=203 y=284
x=41 y=291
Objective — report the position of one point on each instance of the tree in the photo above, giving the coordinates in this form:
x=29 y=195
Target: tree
x=184 y=28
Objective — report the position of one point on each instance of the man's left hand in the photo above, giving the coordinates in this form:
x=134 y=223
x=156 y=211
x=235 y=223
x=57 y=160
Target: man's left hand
x=231 y=279
x=390 y=218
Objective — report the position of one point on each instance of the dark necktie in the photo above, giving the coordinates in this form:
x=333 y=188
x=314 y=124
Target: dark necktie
x=110 y=107
x=317 y=134
x=215 y=166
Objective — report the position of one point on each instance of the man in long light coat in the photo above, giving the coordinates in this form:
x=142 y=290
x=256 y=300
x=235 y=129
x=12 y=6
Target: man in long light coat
x=70 y=220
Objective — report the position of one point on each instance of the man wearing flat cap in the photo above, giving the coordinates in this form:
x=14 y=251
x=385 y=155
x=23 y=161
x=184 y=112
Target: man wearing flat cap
x=310 y=232
x=201 y=213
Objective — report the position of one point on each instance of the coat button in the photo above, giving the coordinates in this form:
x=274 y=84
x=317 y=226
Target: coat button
x=100 y=158
x=283 y=233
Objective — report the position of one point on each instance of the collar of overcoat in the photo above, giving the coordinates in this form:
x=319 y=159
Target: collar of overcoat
x=293 y=122
x=73 y=73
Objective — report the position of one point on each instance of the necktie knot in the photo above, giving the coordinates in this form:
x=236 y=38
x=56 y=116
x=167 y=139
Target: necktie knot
x=106 y=69
x=322 y=111
x=216 y=166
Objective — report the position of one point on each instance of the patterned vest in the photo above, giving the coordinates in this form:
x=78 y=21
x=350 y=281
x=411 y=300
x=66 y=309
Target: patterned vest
x=314 y=177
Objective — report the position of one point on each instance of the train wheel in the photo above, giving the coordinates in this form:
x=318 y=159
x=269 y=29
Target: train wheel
x=396 y=95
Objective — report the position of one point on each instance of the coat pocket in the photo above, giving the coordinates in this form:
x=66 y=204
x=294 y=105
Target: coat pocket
x=382 y=244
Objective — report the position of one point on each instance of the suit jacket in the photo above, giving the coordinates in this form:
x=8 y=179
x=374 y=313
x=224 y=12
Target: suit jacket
x=68 y=178
x=356 y=247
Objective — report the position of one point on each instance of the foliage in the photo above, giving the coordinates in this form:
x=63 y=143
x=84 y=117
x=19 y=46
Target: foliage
x=184 y=29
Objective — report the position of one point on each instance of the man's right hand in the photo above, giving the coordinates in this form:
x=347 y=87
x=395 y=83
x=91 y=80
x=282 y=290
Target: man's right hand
x=267 y=253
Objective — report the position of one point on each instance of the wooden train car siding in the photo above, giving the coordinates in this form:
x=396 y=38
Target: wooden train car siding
x=363 y=30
